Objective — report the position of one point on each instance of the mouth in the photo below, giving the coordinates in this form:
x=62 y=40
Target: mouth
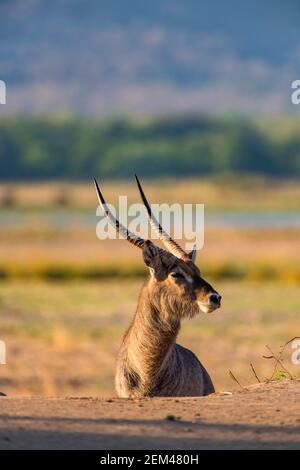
x=208 y=307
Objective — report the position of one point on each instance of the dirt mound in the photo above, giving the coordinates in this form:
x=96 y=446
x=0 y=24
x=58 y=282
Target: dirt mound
x=260 y=417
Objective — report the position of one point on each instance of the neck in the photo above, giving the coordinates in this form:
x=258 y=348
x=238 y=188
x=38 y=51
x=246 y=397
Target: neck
x=151 y=338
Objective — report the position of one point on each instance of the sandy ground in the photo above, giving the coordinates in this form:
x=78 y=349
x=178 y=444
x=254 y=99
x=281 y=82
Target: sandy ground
x=259 y=417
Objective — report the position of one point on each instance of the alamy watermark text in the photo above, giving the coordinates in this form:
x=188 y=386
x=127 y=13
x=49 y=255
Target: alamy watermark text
x=181 y=221
x=2 y=92
x=2 y=352
x=295 y=96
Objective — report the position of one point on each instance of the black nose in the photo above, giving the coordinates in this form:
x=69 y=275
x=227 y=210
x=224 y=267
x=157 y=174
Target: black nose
x=215 y=299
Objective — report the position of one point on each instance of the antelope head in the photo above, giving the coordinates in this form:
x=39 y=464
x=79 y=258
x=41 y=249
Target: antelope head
x=175 y=278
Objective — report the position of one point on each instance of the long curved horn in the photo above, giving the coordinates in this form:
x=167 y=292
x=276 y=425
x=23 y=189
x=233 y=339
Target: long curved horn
x=131 y=237
x=165 y=238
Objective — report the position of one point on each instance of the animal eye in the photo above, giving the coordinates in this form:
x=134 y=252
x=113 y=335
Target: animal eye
x=177 y=275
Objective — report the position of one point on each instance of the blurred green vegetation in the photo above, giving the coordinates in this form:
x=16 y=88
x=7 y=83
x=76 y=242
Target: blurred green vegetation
x=44 y=148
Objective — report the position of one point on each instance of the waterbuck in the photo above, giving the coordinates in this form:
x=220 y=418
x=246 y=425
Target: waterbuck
x=150 y=363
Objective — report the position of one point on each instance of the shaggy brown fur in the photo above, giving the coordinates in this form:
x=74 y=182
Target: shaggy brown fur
x=150 y=363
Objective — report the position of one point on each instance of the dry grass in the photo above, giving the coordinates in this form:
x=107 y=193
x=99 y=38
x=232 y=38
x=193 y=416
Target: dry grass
x=238 y=193
x=63 y=339
x=32 y=246
x=48 y=253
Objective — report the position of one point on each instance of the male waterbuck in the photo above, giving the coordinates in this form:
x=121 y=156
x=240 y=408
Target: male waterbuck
x=150 y=363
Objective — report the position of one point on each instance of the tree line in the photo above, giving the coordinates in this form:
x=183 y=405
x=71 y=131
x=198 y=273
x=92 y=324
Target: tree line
x=43 y=148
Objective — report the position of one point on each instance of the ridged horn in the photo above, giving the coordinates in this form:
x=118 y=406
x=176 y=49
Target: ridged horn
x=165 y=238
x=131 y=237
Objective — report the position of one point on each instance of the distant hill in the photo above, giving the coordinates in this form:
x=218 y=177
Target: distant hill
x=160 y=56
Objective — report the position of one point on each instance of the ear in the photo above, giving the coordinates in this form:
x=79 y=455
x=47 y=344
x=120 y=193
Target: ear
x=152 y=258
x=192 y=255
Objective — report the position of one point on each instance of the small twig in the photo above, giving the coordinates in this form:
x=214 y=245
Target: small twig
x=234 y=378
x=255 y=374
x=279 y=362
x=275 y=367
x=286 y=344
